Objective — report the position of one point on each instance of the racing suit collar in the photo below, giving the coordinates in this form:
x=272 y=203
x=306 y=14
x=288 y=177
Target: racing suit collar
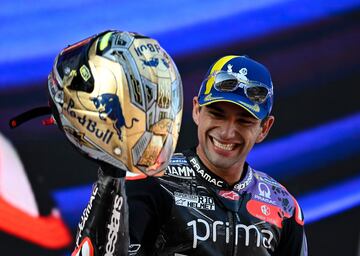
x=204 y=173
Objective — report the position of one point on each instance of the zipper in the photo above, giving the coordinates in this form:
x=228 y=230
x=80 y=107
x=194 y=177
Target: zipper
x=235 y=217
x=232 y=249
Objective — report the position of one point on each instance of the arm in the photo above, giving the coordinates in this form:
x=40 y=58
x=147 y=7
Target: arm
x=149 y=208
x=293 y=238
x=103 y=228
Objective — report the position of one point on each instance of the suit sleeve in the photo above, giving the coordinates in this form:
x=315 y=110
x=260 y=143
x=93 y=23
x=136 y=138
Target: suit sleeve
x=293 y=239
x=149 y=208
x=103 y=228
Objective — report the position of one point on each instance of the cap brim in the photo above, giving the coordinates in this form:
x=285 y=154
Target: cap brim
x=254 y=109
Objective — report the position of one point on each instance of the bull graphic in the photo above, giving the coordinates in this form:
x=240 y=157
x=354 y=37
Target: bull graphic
x=109 y=106
x=153 y=62
x=165 y=63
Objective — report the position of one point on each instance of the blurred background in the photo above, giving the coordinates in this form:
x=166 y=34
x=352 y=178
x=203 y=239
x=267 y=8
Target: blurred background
x=310 y=47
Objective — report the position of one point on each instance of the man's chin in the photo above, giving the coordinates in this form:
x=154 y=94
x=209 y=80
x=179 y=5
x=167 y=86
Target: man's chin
x=222 y=165
x=220 y=162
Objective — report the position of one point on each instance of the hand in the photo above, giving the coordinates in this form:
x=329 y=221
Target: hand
x=103 y=229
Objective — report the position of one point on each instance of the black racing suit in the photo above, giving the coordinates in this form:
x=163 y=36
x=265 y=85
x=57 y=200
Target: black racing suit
x=191 y=211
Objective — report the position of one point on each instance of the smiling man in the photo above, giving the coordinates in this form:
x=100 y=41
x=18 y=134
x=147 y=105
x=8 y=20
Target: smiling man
x=211 y=201
x=226 y=135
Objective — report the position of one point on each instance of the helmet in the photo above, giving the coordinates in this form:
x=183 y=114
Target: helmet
x=118 y=98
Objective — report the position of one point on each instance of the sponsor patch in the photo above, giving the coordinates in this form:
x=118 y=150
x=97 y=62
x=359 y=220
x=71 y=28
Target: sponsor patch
x=268 y=180
x=194 y=201
x=267 y=212
x=229 y=195
x=264 y=190
x=204 y=174
x=178 y=160
x=264 y=193
x=109 y=106
x=114 y=226
x=209 y=97
x=85 y=215
x=243 y=184
x=85 y=73
x=263 y=199
x=247 y=235
x=180 y=171
x=254 y=107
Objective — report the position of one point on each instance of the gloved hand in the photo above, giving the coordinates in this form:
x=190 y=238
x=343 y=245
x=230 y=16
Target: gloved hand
x=117 y=96
x=103 y=229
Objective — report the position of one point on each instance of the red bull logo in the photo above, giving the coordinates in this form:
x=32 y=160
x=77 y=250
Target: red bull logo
x=153 y=62
x=109 y=106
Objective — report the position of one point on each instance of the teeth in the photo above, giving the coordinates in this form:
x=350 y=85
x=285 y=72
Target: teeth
x=223 y=146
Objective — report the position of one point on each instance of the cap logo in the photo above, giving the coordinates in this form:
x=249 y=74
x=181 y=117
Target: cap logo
x=241 y=75
x=217 y=66
x=254 y=107
x=209 y=97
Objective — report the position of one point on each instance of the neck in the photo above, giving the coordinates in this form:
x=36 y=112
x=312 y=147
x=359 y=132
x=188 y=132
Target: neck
x=231 y=175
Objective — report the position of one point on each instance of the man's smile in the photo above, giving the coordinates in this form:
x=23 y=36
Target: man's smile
x=222 y=145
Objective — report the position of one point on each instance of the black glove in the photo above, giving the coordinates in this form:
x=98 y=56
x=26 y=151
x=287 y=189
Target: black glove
x=103 y=229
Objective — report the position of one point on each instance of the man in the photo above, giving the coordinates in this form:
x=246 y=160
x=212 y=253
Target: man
x=117 y=96
x=210 y=201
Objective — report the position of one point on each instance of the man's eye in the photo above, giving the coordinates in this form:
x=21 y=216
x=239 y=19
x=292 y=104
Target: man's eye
x=245 y=121
x=215 y=114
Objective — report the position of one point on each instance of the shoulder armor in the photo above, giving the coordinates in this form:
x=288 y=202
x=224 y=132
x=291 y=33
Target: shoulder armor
x=268 y=190
x=263 y=177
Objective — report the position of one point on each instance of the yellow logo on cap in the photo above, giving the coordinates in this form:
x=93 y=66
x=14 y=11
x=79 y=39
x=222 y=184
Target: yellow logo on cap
x=254 y=107
x=217 y=66
x=209 y=97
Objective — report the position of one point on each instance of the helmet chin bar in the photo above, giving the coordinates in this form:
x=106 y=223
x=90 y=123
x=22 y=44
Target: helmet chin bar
x=162 y=160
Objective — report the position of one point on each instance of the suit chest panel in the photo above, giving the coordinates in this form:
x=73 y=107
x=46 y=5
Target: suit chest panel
x=200 y=223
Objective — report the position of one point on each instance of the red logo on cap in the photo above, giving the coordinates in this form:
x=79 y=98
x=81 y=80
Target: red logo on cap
x=229 y=195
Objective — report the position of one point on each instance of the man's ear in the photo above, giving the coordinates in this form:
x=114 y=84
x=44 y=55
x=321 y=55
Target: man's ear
x=265 y=128
x=196 y=110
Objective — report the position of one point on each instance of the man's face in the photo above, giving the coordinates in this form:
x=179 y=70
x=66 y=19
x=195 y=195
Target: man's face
x=227 y=133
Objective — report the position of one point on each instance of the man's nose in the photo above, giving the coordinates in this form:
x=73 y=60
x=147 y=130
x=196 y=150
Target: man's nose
x=228 y=130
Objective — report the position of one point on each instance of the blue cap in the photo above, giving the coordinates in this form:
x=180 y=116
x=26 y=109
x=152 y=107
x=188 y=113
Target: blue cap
x=249 y=70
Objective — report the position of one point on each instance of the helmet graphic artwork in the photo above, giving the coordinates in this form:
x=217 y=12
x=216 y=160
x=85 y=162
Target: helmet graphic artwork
x=118 y=98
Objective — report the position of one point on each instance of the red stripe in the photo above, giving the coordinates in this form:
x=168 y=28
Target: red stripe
x=48 y=231
x=139 y=176
x=298 y=215
x=270 y=213
x=78 y=249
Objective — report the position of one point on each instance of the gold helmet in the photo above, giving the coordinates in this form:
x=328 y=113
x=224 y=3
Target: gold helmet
x=118 y=98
